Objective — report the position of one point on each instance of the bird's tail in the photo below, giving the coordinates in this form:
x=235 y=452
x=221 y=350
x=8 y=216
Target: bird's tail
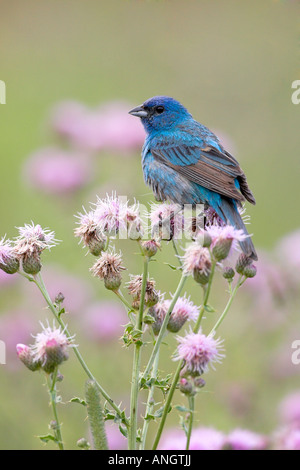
x=231 y=214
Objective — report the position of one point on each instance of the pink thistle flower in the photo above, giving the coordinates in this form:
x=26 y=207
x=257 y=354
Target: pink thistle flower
x=198 y=352
x=224 y=239
x=167 y=221
x=158 y=312
x=243 y=439
x=184 y=310
x=111 y=214
x=34 y=238
x=289 y=409
x=51 y=347
x=57 y=171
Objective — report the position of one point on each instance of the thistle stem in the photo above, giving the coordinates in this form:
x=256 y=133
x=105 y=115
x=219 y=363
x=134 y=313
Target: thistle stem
x=205 y=298
x=164 y=326
x=240 y=281
x=191 y=420
x=38 y=280
x=137 y=363
x=150 y=403
x=53 y=398
x=177 y=372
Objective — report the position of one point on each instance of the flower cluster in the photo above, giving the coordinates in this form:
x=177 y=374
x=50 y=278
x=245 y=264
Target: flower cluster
x=26 y=249
x=48 y=352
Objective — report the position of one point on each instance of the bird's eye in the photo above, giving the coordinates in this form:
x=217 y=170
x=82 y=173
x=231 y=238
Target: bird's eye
x=159 y=109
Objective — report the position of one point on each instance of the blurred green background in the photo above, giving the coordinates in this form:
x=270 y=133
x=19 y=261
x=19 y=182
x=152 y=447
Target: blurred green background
x=231 y=64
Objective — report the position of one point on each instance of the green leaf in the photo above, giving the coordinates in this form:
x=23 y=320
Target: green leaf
x=48 y=437
x=183 y=409
x=78 y=400
x=209 y=308
x=172 y=266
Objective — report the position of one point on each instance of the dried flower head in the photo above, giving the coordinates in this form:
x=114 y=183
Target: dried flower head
x=135 y=289
x=51 y=347
x=109 y=267
x=198 y=352
x=167 y=221
x=30 y=243
x=9 y=261
x=90 y=233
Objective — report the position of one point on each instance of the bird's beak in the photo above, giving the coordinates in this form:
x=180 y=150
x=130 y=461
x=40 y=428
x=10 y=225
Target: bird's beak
x=139 y=111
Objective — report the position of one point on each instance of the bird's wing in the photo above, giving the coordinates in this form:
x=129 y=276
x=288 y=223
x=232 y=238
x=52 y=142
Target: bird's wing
x=207 y=166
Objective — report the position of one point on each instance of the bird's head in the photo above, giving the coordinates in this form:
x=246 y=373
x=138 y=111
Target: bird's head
x=160 y=112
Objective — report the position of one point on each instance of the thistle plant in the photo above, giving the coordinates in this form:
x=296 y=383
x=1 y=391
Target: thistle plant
x=153 y=315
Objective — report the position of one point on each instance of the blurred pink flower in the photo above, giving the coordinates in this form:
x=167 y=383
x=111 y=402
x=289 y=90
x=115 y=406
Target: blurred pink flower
x=103 y=320
x=289 y=409
x=268 y=290
x=108 y=127
x=202 y=439
x=243 y=439
x=77 y=291
x=58 y=171
x=7 y=279
x=287 y=438
x=116 y=440
x=288 y=251
x=15 y=327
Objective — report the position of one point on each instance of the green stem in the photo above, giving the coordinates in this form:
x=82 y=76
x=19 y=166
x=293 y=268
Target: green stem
x=167 y=406
x=177 y=373
x=164 y=326
x=228 y=305
x=191 y=420
x=176 y=251
x=53 y=397
x=137 y=363
x=40 y=284
x=150 y=403
x=205 y=298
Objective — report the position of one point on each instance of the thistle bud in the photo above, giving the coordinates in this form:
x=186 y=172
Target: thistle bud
x=51 y=348
x=250 y=271
x=186 y=387
x=201 y=277
x=59 y=298
x=96 y=243
x=228 y=273
x=55 y=353
x=150 y=247
x=221 y=248
x=11 y=266
x=9 y=261
x=199 y=382
x=242 y=261
x=26 y=355
x=112 y=281
x=83 y=444
x=135 y=289
x=31 y=262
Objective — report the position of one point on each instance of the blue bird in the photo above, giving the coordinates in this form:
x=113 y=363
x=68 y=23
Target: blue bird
x=184 y=162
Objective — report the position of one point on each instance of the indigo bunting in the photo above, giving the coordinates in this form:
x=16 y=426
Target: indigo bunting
x=184 y=162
